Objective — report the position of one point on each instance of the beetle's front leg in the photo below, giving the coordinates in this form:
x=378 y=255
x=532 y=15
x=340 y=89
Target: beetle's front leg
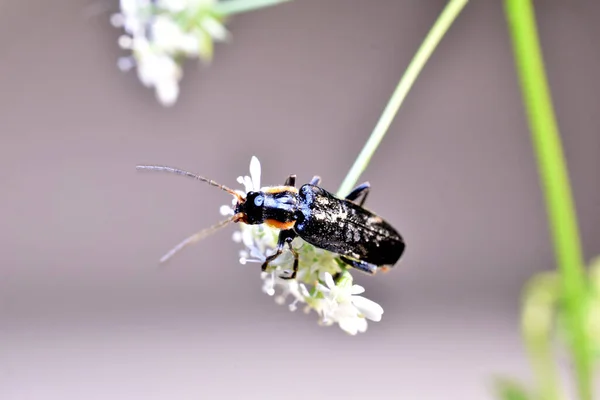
x=285 y=237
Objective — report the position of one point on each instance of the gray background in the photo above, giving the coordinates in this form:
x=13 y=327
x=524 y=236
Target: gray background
x=86 y=313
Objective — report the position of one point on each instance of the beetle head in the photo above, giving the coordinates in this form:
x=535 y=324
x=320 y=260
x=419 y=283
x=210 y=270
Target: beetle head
x=251 y=208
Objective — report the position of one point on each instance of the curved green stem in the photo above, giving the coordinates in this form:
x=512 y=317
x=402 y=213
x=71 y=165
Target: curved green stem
x=555 y=182
x=435 y=35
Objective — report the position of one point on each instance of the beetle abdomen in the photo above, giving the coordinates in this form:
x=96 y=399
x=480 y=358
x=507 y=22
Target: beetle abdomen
x=345 y=228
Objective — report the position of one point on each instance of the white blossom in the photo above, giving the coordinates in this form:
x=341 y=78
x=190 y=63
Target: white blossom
x=161 y=34
x=157 y=70
x=343 y=305
x=168 y=37
x=335 y=302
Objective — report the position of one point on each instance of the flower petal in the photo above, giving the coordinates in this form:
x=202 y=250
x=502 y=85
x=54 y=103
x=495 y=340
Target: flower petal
x=357 y=289
x=257 y=254
x=322 y=288
x=174 y=5
x=350 y=325
x=247 y=238
x=167 y=92
x=368 y=308
x=304 y=291
x=248 y=184
x=345 y=310
x=214 y=28
x=329 y=280
x=255 y=172
x=361 y=325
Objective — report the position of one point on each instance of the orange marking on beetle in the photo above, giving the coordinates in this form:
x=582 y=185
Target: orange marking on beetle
x=279 y=189
x=273 y=223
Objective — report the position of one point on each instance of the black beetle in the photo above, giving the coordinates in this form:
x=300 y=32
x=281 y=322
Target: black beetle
x=362 y=239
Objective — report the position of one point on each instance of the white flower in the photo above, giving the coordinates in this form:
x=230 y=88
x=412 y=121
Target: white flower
x=158 y=71
x=343 y=305
x=176 y=6
x=160 y=34
x=168 y=37
x=133 y=16
x=335 y=302
x=173 y=5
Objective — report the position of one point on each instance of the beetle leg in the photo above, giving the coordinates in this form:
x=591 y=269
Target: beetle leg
x=271 y=258
x=360 y=190
x=285 y=236
x=360 y=265
x=290 y=181
x=295 y=268
x=316 y=180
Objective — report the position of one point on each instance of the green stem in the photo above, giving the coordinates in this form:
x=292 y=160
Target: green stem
x=555 y=181
x=231 y=7
x=435 y=35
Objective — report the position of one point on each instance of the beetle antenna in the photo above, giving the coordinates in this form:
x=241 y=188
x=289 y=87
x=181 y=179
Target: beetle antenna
x=196 y=237
x=191 y=175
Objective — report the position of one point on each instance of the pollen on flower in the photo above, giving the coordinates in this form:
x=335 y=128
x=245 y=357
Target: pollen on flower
x=334 y=301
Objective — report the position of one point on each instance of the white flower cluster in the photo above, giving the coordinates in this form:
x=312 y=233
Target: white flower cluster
x=339 y=302
x=161 y=34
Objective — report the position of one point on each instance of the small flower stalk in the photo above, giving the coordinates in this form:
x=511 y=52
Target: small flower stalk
x=162 y=34
x=335 y=302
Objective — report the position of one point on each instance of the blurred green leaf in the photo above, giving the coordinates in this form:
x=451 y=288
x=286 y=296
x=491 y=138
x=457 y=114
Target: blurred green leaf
x=510 y=390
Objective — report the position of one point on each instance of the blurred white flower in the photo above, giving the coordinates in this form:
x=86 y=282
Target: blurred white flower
x=157 y=70
x=335 y=302
x=161 y=34
x=344 y=306
x=168 y=37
